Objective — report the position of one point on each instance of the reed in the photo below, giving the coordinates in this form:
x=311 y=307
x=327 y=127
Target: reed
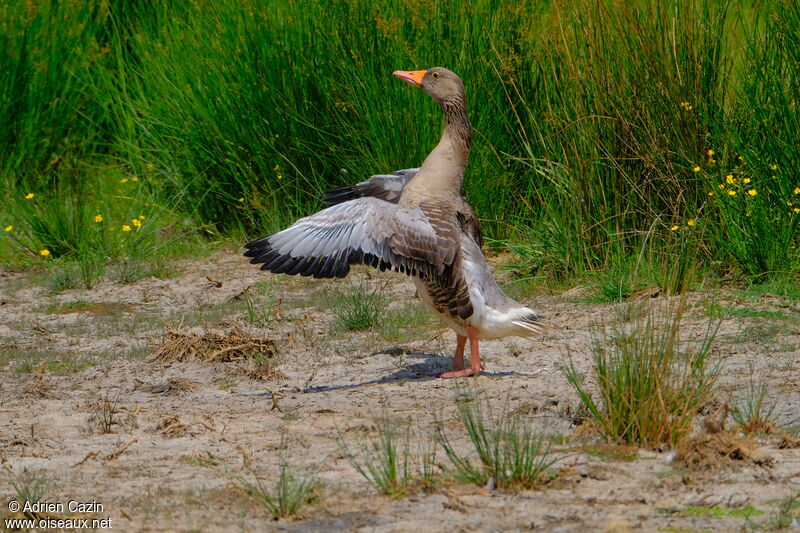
x=601 y=127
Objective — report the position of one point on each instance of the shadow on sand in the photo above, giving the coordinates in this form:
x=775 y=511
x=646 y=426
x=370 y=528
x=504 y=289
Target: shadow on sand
x=430 y=366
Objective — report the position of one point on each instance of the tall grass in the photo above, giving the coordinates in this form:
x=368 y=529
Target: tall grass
x=590 y=117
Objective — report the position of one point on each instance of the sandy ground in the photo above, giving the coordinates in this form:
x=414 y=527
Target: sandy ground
x=175 y=460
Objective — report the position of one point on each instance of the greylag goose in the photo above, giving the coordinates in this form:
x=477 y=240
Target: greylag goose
x=413 y=221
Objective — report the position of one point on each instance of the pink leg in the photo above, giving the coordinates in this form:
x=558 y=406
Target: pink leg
x=458 y=358
x=475 y=364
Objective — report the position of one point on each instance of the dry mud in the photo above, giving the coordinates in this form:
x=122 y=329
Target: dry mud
x=182 y=437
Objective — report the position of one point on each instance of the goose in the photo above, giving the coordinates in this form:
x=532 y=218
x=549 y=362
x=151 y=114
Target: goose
x=416 y=222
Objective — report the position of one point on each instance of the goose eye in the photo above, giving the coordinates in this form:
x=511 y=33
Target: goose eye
x=435 y=74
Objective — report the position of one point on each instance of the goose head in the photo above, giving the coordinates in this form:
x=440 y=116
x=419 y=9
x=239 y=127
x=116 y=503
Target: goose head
x=441 y=84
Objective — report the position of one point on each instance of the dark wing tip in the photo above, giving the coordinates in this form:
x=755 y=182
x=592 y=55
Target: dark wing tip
x=335 y=266
x=340 y=194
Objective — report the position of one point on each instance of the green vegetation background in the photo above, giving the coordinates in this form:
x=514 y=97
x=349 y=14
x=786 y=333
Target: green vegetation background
x=614 y=135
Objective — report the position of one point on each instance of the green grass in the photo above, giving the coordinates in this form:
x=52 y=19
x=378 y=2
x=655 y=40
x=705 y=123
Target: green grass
x=26 y=361
x=786 y=516
x=287 y=495
x=408 y=323
x=390 y=462
x=616 y=453
x=720 y=512
x=359 y=307
x=590 y=120
x=29 y=486
x=649 y=383
x=752 y=412
x=717 y=310
x=784 y=287
x=508 y=452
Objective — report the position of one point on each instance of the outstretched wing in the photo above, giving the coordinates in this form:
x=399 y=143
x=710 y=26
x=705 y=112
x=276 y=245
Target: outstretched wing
x=383 y=186
x=389 y=187
x=362 y=231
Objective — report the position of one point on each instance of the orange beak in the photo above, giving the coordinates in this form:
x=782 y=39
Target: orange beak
x=414 y=77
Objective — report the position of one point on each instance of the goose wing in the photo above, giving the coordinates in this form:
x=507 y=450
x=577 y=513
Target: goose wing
x=383 y=186
x=366 y=231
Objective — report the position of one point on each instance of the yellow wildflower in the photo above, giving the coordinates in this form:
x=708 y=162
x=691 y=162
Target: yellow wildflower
x=29 y=196
x=752 y=192
x=721 y=186
x=730 y=179
x=731 y=193
x=136 y=222
x=696 y=169
x=796 y=209
x=711 y=193
x=124 y=180
x=797 y=190
x=712 y=160
x=142 y=217
x=126 y=227
x=790 y=204
x=241 y=199
x=44 y=252
x=774 y=167
x=149 y=166
x=98 y=218
x=134 y=178
x=276 y=168
x=673 y=228
x=9 y=228
x=710 y=152
x=690 y=222
x=741 y=158
x=280 y=177
x=746 y=180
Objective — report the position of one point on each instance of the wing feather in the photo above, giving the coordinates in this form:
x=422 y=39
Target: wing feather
x=383 y=186
x=361 y=231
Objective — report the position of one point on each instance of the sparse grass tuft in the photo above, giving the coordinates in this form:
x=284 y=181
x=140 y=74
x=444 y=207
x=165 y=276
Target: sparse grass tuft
x=104 y=413
x=717 y=310
x=360 y=307
x=388 y=461
x=26 y=361
x=259 y=313
x=29 y=486
x=751 y=411
x=289 y=493
x=612 y=453
x=511 y=453
x=400 y=325
x=63 y=278
x=717 y=511
x=787 y=515
x=649 y=389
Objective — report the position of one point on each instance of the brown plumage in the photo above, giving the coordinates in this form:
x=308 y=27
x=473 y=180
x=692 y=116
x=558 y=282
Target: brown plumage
x=414 y=221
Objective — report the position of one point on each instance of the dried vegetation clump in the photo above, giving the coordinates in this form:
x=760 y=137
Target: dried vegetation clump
x=171 y=427
x=714 y=447
x=212 y=346
x=171 y=387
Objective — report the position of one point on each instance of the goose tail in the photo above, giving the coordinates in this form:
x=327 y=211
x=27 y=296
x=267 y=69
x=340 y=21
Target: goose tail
x=530 y=322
